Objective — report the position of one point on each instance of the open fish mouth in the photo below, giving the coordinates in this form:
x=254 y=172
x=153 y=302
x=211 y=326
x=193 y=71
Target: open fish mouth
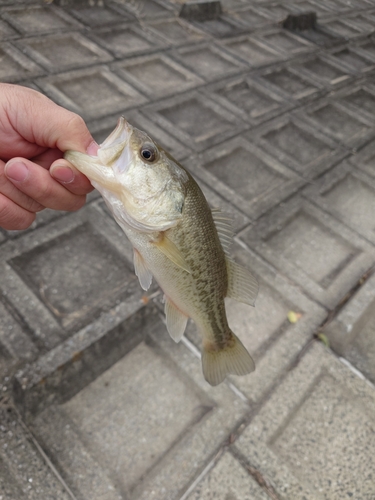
x=115 y=143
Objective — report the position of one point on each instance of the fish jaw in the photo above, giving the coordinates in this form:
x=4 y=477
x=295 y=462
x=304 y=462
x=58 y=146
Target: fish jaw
x=101 y=169
x=99 y=175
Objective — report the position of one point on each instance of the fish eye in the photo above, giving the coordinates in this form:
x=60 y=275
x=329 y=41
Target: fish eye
x=149 y=152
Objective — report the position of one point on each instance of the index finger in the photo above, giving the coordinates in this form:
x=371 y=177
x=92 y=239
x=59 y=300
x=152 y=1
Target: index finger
x=40 y=121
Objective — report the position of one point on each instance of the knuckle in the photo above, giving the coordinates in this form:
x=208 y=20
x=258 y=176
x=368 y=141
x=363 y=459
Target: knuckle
x=76 y=122
x=76 y=203
x=45 y=192
x=13 y=217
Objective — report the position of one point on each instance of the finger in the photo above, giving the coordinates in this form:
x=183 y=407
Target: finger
x=11 y=192
x=40 y=121
x=37 y=183
x=73 y=180
x=46 y=159
x=12 y=216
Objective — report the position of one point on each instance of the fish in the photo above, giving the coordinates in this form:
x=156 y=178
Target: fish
x=177 y=239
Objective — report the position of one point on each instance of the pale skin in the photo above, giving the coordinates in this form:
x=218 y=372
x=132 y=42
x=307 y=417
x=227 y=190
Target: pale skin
x=34 y=134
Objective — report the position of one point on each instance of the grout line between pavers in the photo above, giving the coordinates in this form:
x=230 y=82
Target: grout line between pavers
x=237 y=392
x=355 y=370
x=204 y=473
x=44 y=456
x=191 y=347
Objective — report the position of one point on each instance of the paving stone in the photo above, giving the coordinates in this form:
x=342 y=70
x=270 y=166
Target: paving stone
x=366 y=49
x=179 y=117
x=312 y=248
x=6 y=31
x=52 y=280
x=125 y=40
x=298 y=145
x=351 y=332
x=63 y=51
x=360 y=99
x=146 y=8
x=176 y=31
x=349 y=195
x=98 y=16
x=247 y=98
x=286 y=42
x=297 y=439
x=323 y=70
x=354 y=61
x=59 y=374
x=364 y=159
x=208 y=61
x=23 y=473
x=37 y=19
x=15 y=66
x=287 y=81
x=224 y=26
x=245 y=175
x=238 y=219
x=92 y=92
x=42 y=218
x=254 y=17
x=252 y=51
x=278 y=12
x=364 y=22
x=157 y=389
x=168 y=76
x=15 y=343
x=341 y=28
x=227 y=479
x=321 y=8
x=341 y=123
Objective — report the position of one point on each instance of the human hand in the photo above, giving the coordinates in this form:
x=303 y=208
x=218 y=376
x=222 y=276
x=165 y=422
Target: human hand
x=34 y=133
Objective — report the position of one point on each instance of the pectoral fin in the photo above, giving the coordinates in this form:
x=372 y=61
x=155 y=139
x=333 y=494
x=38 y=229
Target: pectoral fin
x=141 y=270
x=242 y=285
x=176 y=320
x=169 y=249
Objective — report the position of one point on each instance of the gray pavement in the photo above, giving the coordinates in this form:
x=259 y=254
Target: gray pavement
x=96 y=401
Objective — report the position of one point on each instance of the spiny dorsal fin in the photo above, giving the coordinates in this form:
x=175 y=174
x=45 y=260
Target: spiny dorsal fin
x=141 y=270
x=224 y=228
x=169 y=249
x=242 y=285
x=176 y=320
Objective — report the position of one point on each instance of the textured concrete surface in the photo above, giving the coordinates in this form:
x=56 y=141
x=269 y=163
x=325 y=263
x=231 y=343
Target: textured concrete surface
x=278 y=126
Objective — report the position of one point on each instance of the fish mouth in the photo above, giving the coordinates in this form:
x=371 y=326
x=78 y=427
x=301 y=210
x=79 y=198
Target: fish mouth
x=115 y=143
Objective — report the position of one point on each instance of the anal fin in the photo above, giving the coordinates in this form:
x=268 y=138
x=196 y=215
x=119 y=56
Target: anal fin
x=141 y=270
x=176 y=320
x=242 y=285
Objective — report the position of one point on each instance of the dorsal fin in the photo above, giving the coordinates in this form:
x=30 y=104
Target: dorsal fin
x=223 y=223
x=242 y=285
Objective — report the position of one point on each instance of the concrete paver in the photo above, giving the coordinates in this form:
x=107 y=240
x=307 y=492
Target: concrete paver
x=314 y=437
x=351 y=333
x=96 y=401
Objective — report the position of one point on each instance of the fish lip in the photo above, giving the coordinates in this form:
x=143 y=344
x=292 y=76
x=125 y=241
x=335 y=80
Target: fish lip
x=120 y=135
x=115 y=144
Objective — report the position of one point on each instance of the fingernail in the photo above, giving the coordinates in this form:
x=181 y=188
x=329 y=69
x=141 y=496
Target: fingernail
x=92 y=148
x=62 y=173
x=16 y=171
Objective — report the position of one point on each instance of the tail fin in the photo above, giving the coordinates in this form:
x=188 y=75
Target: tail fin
x=233 y=359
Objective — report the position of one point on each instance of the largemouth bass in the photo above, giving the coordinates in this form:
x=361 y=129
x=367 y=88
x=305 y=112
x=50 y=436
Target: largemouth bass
x=177 y=239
